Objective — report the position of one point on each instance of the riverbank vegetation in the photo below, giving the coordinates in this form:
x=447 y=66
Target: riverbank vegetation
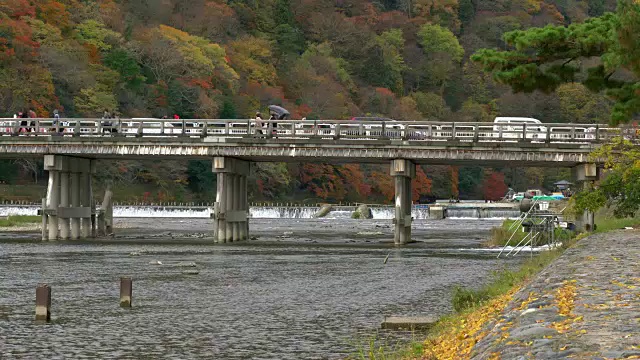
x=19 y=220
x=453 y=336
x=510 y=233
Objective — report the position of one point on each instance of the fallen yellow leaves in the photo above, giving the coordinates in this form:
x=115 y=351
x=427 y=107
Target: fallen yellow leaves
x=564 y=299
x=621 y=284
x=565 y=296
x=456 y=342
x=532 y=297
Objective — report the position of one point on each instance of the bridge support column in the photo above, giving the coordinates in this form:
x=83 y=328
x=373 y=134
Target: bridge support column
x=403 y=171
x=584 y=176
x=231 y=207
x=64 y=203
x=63 y=206
x=53 y=196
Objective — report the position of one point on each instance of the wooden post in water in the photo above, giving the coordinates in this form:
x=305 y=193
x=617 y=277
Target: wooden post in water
x=43 y=302
x=126 y=290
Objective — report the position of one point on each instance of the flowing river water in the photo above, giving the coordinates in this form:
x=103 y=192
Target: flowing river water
x=305 y=289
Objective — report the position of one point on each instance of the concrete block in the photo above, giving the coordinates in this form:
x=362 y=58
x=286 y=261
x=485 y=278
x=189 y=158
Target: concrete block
x=436 y=212
x=74 y=212
x=585 y=172
x=408 y=323
x=402 y=167
x=230 y=165
x=236 y=216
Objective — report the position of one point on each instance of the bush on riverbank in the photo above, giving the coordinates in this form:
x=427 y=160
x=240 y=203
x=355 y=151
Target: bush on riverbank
x=511 y=234
x=18 y=220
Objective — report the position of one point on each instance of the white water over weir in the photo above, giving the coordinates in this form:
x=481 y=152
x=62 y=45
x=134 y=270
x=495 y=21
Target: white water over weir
x=275 y=212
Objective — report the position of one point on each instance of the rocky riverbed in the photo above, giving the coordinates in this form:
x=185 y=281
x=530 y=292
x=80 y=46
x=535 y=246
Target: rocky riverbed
x=586 y=305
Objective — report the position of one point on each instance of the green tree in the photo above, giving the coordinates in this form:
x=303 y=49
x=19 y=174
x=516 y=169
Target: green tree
x=545 y=58
x=385 y=62
x=125 y=63
x=200 y=177
x=579 y=105
x=431 y=106
x=620 y=187
x=95 y=33
x=443 y=51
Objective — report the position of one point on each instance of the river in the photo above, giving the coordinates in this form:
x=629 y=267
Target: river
x=305 y=289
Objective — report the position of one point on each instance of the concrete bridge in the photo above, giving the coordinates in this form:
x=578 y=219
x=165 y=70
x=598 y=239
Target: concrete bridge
x=70 y=147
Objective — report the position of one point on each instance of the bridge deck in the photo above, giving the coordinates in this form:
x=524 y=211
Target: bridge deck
x=295 y=141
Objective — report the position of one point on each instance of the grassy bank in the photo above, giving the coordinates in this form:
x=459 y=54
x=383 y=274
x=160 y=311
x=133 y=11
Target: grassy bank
x=19 y=220
x=454 y=335
x=510 y=233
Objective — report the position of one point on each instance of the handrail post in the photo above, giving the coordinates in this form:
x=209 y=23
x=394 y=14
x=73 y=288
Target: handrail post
x=453 y=131
x=37 y=126
x=76 y=130
x=383 y=132
x=597 y=139
x=476 y=135
x=226 y=127
x=119 y=126
x=204 y=129
x=162 y=122
x=315 y=127
x=183 y=128
x=337 y=134
x=524 y=132
x=140 y=129
x=548 y=140
x=573 y=132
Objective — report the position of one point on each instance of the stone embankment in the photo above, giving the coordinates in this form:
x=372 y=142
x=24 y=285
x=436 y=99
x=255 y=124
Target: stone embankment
x=586 y=305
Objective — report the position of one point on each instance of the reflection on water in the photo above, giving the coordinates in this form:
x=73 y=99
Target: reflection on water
x=304 y=295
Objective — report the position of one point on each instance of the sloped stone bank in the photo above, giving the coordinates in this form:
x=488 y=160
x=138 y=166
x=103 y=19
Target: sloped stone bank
x=585 y=305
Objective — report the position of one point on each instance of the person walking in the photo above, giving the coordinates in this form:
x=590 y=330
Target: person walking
x=23 y=123
x=32 y=123
x=259 y=123
x=56 y=122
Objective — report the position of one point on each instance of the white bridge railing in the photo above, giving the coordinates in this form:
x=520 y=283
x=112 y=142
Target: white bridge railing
x=316 y=129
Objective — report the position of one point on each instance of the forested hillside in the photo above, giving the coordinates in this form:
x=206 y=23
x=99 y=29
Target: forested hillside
x=405 y=59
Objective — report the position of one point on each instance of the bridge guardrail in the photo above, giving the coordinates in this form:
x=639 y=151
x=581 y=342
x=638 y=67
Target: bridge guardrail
x=316 y=129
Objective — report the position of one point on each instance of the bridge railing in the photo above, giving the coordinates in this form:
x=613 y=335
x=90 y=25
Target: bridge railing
x=316 y=129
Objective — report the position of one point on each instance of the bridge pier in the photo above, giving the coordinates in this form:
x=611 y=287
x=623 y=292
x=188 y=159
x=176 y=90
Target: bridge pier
x=403 y=171
x=584 y=175
x=231 y=207
x=68 y=216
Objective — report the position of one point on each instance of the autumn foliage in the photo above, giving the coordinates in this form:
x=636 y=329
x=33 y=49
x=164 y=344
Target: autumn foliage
x=407 y=60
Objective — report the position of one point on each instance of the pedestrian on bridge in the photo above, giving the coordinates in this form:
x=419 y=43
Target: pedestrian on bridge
x=259 y=123
x=32 y=123
x=23 y=123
